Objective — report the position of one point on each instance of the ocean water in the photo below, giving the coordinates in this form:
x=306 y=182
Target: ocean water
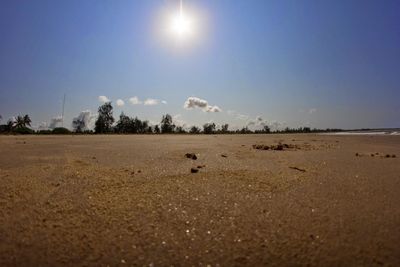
x=368 y=132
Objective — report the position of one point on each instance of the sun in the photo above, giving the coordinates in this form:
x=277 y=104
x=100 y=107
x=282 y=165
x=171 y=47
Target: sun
x=181 y=25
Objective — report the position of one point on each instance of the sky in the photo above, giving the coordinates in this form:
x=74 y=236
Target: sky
x=323 y=64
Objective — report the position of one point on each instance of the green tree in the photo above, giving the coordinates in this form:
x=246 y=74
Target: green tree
x=10 y=125
x=194 y=130
x=19 y=122
x=209 y=128
x=157 y=129
x=105 y=119
x=224 y=128
x=266 y=129
x=124 y=124
x=167 y=125
x=27 y=120
x=180 y=129
x=245 y=130
x=78 y=124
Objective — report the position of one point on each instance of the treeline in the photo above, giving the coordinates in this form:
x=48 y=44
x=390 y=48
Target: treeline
x=106 y=124
x=19 y=125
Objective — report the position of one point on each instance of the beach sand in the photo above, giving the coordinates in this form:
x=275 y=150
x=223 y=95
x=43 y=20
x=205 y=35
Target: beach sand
x=134 y=201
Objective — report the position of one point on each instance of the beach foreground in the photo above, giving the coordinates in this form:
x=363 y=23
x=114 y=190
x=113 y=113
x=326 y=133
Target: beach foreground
x=139 y=201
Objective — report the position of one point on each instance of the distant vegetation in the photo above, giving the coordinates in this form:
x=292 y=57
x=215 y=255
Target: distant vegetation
x=126 y=125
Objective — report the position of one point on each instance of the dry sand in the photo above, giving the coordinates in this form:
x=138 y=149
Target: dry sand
x=133 y=201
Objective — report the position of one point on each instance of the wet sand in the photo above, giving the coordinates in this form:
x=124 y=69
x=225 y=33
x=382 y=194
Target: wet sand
x=133 y=201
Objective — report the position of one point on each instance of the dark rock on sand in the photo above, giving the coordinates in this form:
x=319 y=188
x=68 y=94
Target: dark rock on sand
x=261 y=147
x=277 y=147
x=191 y=156
x=297 y=169
x=194 y=170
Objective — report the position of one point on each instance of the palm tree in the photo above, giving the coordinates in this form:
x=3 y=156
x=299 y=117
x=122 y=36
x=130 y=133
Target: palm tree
x=27 y=120
x=22 y=121
x=19 y=122
x=10 y=125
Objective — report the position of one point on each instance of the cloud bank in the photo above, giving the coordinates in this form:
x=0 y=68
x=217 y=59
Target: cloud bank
x=103 y=99
x=148 y=102
x=151 y=102
x=120 y=103
x=85 y=120
x=195 y=102
x=135 y=100
x=312 y=110
x=55 y=122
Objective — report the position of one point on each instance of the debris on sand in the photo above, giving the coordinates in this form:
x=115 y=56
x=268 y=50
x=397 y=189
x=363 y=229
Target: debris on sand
x=278 y=147
x=224 y=156
x=377 y=155
x=201 y=166
x=297 y=169
x=191 y=156
x=194 y=170
x=261 y=147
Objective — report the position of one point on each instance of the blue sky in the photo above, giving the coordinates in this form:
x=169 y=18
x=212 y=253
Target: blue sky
x=298 y=63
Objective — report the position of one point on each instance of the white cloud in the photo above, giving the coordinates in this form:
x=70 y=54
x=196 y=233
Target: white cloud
x=213 y=109
x=251 y=123
x=242 y=117
x=148 y=102
x=55 y=122
x=85 y=119
x=103 y=99
x=43 y=126
x=151 y=102
x=177 y=119
x=312 y=110
x=135 y=100
x=195 y=102
x=275 y=125
x=258 y=122
x=120 y=102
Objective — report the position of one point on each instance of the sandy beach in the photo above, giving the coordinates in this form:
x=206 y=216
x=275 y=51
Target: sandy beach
x=139 y=201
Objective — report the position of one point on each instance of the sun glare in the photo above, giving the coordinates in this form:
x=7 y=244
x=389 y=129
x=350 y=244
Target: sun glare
x=181 y=25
